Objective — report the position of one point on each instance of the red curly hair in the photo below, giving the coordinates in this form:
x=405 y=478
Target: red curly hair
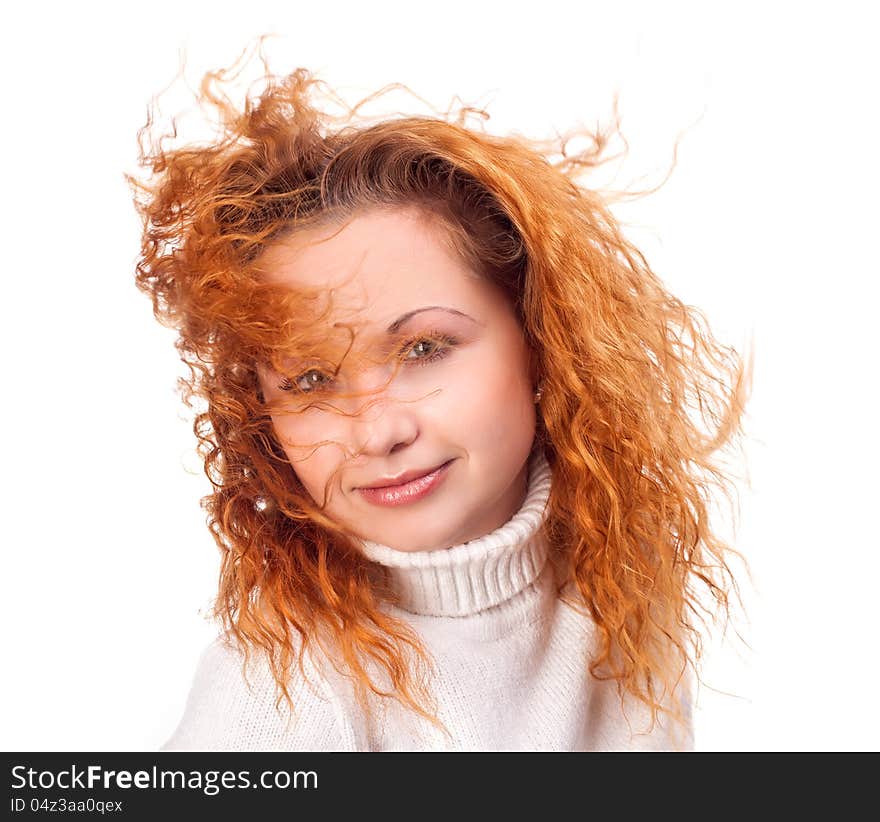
x=622 y=364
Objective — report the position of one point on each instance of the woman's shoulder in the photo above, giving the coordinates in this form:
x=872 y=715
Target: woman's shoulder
x=232 y=706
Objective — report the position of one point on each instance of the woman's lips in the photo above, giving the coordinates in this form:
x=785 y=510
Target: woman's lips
x=406 y=492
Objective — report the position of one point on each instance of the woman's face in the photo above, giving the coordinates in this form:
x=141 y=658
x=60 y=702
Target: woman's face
x=466 y=401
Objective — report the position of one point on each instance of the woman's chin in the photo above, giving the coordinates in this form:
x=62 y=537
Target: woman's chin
x=412 y=543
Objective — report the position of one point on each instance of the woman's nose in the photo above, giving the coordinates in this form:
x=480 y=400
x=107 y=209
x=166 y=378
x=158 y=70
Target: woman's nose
x=381 y=420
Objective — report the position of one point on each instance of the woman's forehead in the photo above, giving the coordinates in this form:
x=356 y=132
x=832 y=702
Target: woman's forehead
x=375 y=267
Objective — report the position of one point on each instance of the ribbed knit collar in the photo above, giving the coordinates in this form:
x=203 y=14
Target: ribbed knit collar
x=476 y=575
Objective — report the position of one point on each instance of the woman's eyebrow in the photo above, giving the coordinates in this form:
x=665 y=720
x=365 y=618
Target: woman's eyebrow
x=393 y=328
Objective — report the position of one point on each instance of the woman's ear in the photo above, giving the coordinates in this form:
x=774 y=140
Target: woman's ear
x=534 y=368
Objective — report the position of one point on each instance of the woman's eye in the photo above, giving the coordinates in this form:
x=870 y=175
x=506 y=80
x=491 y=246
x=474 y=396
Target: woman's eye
x=306 y=382
x=429 y=348
x=422 y=349
x=417 y=351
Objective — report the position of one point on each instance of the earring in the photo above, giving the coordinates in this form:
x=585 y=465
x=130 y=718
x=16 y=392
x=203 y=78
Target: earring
x=538 y=395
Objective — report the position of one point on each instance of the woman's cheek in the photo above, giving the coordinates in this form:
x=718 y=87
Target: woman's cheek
x=299 y=437
x=500 y=408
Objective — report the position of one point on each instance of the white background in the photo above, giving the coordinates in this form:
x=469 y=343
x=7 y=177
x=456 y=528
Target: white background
x=768 y=224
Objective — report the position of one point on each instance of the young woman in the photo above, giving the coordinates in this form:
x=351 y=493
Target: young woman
x=447 y=412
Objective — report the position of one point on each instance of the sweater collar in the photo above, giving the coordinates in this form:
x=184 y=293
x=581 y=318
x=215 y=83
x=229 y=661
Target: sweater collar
x=476 y=575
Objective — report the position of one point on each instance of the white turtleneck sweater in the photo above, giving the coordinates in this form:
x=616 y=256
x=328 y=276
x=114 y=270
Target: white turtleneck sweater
x=511 y=659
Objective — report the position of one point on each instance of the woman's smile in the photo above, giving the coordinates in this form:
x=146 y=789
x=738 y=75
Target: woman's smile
x=409 y=491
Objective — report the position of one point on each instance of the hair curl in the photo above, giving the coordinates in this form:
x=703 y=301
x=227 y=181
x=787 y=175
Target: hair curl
x=622 y=363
